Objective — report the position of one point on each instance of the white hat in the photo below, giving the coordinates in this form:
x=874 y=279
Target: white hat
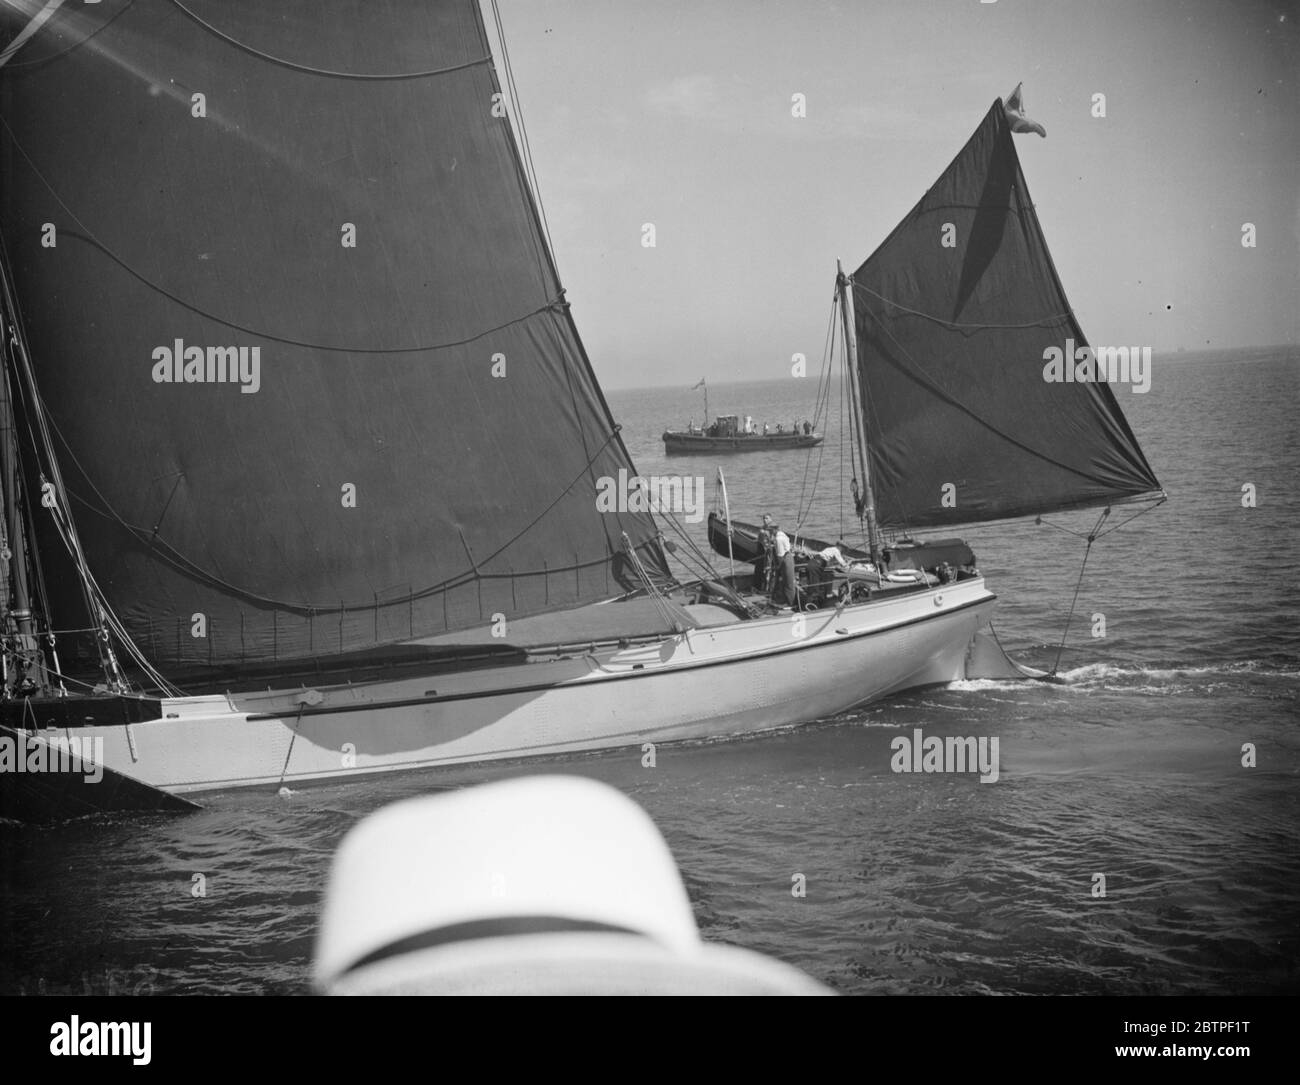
x=539 y=885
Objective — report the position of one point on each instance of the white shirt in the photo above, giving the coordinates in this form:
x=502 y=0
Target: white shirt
x=782 y=541
x=832 y=555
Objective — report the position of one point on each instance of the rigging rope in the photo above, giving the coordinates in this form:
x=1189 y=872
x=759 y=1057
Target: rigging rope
x=1040 y=323
x=1154 y=505
x=385 y=76
x=76 y=44
x=100 y=607
x=661 y=604
x=550 y=306
x=525 y=147
x=844 y=376
x=1092 y=537
x=188 y=568
x=704 y=567
x=802 y=511
x=94 y=604
x=87 y=236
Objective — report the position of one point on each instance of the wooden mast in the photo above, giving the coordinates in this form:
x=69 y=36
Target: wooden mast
x=18 y=632
x=17 y=354
x=858 y=394
x=21 y=646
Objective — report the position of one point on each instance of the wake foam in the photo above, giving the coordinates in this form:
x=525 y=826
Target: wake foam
x=1138 y=678
x=981 y=685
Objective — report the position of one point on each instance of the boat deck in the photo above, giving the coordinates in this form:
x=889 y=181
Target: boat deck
x=629 y=619
x=610 y=620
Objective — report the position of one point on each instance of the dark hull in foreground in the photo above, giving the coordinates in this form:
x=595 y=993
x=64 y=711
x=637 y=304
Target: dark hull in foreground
x=55 y=782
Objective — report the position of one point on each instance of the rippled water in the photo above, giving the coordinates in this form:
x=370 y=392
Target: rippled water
x=916 y=883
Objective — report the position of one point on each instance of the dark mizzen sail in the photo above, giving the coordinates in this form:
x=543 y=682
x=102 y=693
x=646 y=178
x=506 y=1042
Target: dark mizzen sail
x=951 y=345
x=219 y=222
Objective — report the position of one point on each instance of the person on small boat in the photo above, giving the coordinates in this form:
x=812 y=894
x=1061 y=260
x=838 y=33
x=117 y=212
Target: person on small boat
x=784 y=592
x=764 y=429
x=807 y=428
x=780 y=428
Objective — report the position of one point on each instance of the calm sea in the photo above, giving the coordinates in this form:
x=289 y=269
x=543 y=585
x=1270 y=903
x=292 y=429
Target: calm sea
x=1131 y=769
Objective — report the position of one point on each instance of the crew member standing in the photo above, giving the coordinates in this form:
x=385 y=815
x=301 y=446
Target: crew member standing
x=785 y=593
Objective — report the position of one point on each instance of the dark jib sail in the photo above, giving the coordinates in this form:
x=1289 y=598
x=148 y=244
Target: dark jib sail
x=313 y=381
x=961 y=423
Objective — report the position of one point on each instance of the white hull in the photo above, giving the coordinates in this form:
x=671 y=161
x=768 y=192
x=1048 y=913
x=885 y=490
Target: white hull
x=745 y=677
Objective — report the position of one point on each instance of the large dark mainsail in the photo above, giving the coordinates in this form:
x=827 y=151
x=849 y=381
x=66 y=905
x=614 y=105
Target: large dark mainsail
x=322 y=202
x=960 y=422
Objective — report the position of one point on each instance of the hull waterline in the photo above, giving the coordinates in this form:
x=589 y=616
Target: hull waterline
x=711 y=682
x=686 y=443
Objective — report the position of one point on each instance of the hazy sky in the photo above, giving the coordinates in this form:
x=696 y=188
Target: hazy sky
x=678 y=113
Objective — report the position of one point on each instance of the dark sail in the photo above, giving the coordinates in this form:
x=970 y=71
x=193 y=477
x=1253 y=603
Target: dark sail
x=961 y=423
x=297 y=329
